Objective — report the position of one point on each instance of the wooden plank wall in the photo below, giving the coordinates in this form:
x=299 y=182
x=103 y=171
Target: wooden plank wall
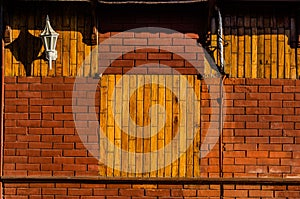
x=261 y=42
x=161 y=91
x=23 y=56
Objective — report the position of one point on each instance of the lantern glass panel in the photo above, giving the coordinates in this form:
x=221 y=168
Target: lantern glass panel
x=49 y=43
x=54 y=39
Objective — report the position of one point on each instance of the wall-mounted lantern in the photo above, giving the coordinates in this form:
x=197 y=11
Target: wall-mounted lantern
x=49 y=37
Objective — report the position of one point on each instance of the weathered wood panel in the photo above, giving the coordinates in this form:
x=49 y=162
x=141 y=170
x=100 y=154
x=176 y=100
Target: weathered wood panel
x=142 y=114
x=261 y=42
x=24 y=55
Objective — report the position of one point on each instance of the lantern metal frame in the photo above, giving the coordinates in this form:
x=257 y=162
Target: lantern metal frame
x=49 y=38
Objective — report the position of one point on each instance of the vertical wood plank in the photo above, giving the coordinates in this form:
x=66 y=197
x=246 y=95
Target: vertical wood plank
x=287 y=54
x=234 y=51
x=175 y=127
x=146 y=121
x=281 y=53
x=241 y=52
x=274 y=66
x=154 y=138
x=132 y=126
x=260 y=53
x=103 y=124
x=15 y=34
x=268 y=46
x=293 y=39
x=254 y=48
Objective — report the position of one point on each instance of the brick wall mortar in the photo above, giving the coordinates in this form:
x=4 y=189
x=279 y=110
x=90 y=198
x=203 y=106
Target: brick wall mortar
x=260 y=138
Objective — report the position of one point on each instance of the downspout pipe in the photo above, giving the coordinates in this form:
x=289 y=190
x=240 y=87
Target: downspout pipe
x=220 y=47
x=2 y=85
x=220 y=39
x=2 y=94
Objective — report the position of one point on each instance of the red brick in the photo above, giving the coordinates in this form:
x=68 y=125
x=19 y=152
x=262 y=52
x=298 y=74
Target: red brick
x=245 y=161
x=79 y=192
x=291 y=118
x=54 y=191
x=280 y=154
x=159 y=56
x=270 y=118
x=157 y=192
x=234 y=125
x=52 y=109
x=15 y=130
x=256 y=169
x=270 y=89
x=269 y=103
x=28 y=123
x=257 y=154
x=287 y=194
x=118 y=197
x=63 y=116
x=28 y=167
x=240 y=96
x=259 y=82
x=29 y=94
x=282 y=125
x=131 y=192
x=245 y=103
x=260 y=193
x=123 y=63
x=282 y=111
x=257 y=111
x=269 y=133
x=14 y=87
x=291 y=103
x=40 y=87
x=57 y=80
x=257 y=96
x=52 y=94
x=258 y=140
x=10 y=94
x=14 y=159
x=268 y=161
x=22 y=109
x=63 y=160
x=239 y=147
x=74 y=153
x=16 y=101
x=257 y=125
x=40 y=131
x=16 y=116
x=8 y=79
x=233 y=168
x=248 y=118
x=245 y=89
x=282 y=96
x=64 y=131
x=53 y=124
x=284 y=82
x=279 y=169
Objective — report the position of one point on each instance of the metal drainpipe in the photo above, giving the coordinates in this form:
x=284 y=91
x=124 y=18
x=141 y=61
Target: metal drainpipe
x=220 y=40
x=2 y=96
x=221 y=54
x=2 y=87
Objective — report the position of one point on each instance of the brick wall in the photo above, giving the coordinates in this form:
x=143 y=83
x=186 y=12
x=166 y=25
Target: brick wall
x=137 y=191
x=261 y=130
x=260 y=140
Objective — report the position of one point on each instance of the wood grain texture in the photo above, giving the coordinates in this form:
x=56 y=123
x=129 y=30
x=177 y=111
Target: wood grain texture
x=158 y=104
